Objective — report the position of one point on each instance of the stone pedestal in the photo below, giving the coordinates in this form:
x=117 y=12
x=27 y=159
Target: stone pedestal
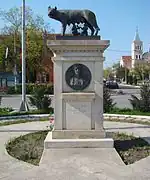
x=78 y=100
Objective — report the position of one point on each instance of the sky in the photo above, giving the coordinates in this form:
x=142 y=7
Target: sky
x=117 y=20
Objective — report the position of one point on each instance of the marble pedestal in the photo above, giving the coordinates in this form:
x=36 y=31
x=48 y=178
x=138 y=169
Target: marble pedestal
x=78 y=113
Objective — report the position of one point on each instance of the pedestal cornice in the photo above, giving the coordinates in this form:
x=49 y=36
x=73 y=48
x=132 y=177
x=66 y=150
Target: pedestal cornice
x=62 y=46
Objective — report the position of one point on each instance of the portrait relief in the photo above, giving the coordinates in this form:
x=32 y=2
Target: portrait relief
x=78 y=76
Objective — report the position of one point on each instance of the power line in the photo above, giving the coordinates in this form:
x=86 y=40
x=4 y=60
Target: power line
x=115 y=50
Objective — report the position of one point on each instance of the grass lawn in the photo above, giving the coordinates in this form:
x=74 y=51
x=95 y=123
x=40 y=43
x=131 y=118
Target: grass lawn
x=29 y=147
x=130 y=148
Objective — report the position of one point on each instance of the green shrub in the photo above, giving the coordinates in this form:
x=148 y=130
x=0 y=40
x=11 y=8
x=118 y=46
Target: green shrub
x=127 y=111
x=142 y=103
x=39 y=99
x=116 y=110
x=38 y=111
x=48 y=88
x=11 y=90
x=130 y=79
x=50 y=110
x=6 y=110
x=107 y=100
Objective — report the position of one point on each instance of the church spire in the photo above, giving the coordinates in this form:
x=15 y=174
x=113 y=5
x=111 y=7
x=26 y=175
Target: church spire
x=137 y=38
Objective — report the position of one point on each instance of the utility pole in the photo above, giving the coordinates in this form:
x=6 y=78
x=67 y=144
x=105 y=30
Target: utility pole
x=24 y=106
x=15 y=66
x=125 y=75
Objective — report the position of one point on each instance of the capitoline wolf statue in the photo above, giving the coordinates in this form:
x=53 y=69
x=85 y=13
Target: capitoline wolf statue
x=75 y=17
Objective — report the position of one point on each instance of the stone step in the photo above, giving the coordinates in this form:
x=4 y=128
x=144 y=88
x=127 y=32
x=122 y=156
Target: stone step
x=77 y=143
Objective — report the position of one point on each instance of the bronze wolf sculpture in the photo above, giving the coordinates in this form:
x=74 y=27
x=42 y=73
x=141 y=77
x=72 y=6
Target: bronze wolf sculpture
x=67 y=17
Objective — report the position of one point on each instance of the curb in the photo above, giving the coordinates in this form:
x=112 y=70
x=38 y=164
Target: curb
x=34 y=116
x=131 y=117
x=18 y=95
x=126 y=116
x=106 y=116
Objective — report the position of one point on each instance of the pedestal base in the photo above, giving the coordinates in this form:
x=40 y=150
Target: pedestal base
x=77 y=143
x=78 y=134
x=78 y=94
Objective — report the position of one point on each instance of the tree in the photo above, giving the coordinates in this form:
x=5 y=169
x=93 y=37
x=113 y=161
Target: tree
x=142 y=103
x=34 y=32
x=120 y=72
x=147 y=70
x=108 y=103
x=107 y=72
x=2 y=56
x=39 y=99
x=116 y=65
x=34 y=51
x=13 y=20
x=7 y=64
x=142 y=70
x=139 y=70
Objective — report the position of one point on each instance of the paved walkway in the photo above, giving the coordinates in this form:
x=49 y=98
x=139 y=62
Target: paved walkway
x=73 y=164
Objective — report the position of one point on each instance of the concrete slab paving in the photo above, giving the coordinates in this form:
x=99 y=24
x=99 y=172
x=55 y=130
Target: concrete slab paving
x=73 y=164
x=86 y=162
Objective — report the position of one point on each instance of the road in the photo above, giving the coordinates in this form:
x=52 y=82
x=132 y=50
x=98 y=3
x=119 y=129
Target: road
x=129 y=91
x=121 y=100
x=15 y=101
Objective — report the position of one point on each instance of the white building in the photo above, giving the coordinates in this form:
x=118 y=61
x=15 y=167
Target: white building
x=137 y=55
x=136 y=50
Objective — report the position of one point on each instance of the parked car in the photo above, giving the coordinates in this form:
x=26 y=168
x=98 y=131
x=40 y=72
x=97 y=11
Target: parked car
x=118 y=80
x=112 y=85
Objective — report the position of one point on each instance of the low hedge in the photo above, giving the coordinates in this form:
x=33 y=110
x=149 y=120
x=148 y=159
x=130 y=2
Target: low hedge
x=30 y=87
x=49 y=111
x=128 y=111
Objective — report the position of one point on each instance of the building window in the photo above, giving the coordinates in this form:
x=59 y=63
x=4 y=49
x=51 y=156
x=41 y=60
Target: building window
x=136 y=56
x=3 y=82
x=47 y=77
x=139 y=57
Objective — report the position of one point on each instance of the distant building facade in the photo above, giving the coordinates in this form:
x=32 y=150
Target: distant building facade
x=126 y=62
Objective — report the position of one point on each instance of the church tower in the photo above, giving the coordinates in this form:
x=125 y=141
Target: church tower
x=137 y=49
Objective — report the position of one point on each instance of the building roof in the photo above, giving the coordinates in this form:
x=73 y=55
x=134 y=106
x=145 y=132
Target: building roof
x=126 y=58
x=126 y=61
x=137 y=37
x=146 y=56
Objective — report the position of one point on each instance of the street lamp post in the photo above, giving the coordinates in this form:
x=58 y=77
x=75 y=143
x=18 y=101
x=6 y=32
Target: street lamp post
x=24 y=106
